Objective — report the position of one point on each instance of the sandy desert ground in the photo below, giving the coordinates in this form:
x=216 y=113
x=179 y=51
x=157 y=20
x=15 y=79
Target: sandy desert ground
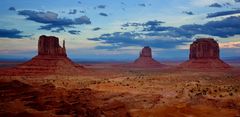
x=108 y=90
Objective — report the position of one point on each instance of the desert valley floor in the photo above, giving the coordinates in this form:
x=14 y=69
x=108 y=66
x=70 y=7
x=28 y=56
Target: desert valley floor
x=110 y=90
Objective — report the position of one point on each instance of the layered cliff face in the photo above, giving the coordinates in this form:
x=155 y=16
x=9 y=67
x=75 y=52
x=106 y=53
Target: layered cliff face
x=204 y=53
x=51 y=59
x=49 y=45
x=204 y=48
x=145 y=59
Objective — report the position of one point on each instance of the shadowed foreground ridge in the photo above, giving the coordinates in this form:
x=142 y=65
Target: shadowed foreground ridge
x=46 y=101
x=204 y=53
x=145 y=59
x=51 y=59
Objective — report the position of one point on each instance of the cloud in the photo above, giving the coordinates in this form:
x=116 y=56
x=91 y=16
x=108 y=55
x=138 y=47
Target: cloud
x=154 y=23
x=58 y=30
x=188 y=12
x=125 y=39
x=123 y=3
x=74 y=32
x=237 y=0
x=74 y=11
x=230 y=45
x=51 y=19
x=217 y=5
x=223 y=13
x=81 y=11
x=96 y=29
x=223 y=28
x=158 y=36
x=11 y=33
x=132 y=24
x=103 y=14
x=101 y=6
x=12 y=9
x=142 y=4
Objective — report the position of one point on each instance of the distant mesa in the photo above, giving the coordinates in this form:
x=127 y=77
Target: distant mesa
x=145 y=59
x=51 y=59
x=204 y=53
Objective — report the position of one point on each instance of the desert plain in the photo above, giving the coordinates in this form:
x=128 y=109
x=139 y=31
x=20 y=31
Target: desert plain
x=107 y=90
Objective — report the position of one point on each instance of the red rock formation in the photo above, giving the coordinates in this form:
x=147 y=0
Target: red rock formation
x=204 y=53
x=50 y=46
x=51 y=59
x=146 y=52
x=145 y=59
x=54 y=101
x=204 y=48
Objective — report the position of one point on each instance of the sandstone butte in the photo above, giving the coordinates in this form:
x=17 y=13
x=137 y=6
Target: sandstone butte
x=145 y=59
x=51 y=59
x=204 y=53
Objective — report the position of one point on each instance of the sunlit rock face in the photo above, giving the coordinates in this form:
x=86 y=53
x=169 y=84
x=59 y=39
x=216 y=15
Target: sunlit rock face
x=51 y=59
x=145 y=59
x=204 y=53
x=49 y=45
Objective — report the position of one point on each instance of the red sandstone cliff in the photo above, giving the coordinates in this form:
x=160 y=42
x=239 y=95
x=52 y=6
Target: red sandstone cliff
x=51 y=59
x=204 y=53
x=49 y=45
x=145 y=59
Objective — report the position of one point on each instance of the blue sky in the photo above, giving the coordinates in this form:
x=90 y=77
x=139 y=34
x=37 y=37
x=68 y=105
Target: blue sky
x=117 y=30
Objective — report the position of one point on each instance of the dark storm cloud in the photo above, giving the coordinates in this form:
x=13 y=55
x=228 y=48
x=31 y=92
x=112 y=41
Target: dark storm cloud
x=103 y=14
x=12 y=9
x=74 y=11
x=188 y=12
x=101 y=6
x=227 y=4
x=74 y=32
x=51 y=19
x=156 y=35
x=217 y=5
x=223 y=13
x=96 y=29
x=11 y=33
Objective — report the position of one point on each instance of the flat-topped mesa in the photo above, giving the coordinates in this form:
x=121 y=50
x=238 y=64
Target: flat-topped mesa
x=51 y=59
x=204 y=48
x=145 y=59
x=146 y=52
x=204 y=54
x=49 y=45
